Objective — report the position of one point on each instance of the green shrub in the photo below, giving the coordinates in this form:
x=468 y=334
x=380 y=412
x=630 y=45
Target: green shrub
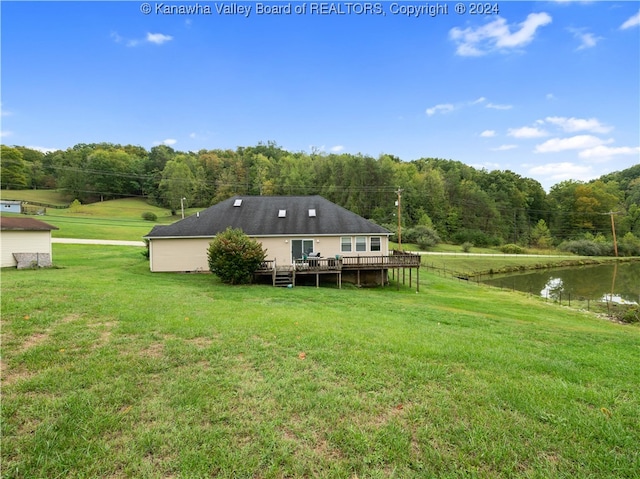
x=234 y=257
x=631 y=315
x=424 y=236
x=629 y=245
x=512 y=249
x=585 y=247
x=146 y=252
x=466 y=246
x=149 y=216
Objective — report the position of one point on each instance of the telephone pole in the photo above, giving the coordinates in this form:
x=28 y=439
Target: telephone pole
x=399 y=193
x=613 y=230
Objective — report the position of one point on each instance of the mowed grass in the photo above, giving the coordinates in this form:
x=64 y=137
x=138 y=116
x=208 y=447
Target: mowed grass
x=111 y=371
x=51 y=197
x=112 y=220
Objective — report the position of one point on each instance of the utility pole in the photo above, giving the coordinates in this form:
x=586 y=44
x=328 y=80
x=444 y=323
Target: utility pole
x=613 y=230
x=399 y=192
x=182 y=206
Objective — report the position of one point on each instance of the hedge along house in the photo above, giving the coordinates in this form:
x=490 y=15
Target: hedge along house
x=302 y=235
x=25 y=242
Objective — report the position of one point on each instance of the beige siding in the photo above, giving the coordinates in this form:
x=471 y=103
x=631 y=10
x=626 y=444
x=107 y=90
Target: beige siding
x=23 y=242
x=180 y=254
x=184 y=254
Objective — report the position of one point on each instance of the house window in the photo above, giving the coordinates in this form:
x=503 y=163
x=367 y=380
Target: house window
x=345 y=244
x=375 y=243
x=237 y=202
x=312 y=212
x=361 y=243
x=282 y=213
x=300 y=248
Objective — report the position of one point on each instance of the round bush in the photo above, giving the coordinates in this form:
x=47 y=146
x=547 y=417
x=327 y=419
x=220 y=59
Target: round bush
x=511 y=249
x=149 y=216
x=234 y=257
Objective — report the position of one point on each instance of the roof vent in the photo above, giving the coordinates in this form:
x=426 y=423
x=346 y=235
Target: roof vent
x=237 y=202
x=282 y=213
x=312 y=212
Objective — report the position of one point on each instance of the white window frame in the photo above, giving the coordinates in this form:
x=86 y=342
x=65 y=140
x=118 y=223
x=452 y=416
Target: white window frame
x=343 y=244
x=379 y=239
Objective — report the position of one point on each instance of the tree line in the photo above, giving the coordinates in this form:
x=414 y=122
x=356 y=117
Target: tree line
x=442 y=200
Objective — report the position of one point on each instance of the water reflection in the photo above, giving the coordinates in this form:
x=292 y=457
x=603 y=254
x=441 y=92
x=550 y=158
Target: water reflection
x=618 y=283
x=615 y=298
x=553 y=289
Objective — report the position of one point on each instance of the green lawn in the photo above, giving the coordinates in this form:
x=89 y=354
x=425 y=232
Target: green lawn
x=50 y=197
x=112 y=220
x=111 y=371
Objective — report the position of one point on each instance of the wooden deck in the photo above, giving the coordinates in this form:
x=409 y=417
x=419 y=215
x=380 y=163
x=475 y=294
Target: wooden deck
x=285 y=274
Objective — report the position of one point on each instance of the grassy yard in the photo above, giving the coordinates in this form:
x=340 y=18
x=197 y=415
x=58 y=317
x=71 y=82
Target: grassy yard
x=112 y=220
x=50 y=197
x=111 y=371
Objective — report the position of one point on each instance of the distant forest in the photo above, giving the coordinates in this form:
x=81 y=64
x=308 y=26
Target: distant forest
x=442 y=200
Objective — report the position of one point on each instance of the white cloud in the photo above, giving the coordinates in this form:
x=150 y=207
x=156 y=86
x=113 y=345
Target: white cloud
x=603 y=153
x=573 y=125
x=479 y=100
x=42 y=149
x=192 y=136
x=550 y=96
x=336 y=149
x=158 y=38
x=5 y=134
x=562 y=171
x=497 y=35
x=578 y=142
x=168 y=142
x=443 y=108
x=504 y=148
x=4 y=112
x=488 y=134
x=527 y=132
x=587 y=40
x=499 y=107
x=633 y=21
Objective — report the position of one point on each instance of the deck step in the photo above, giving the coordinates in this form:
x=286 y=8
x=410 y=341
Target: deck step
x=283 y=279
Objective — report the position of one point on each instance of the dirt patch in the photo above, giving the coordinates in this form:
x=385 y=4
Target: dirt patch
x=34 y=340
x=10 y=376
x=155 y=350
x=200 y=342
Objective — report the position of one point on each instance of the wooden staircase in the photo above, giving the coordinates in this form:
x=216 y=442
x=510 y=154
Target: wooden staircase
x=283 y=277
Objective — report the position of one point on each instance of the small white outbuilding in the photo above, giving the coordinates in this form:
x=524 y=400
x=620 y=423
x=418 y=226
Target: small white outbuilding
x=25 y=242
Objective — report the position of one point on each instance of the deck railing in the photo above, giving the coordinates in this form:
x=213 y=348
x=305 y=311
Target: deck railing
x=397 y=259
x=318 y=264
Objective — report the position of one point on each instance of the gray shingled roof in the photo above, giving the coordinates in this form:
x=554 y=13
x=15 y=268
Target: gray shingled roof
x=258 y=216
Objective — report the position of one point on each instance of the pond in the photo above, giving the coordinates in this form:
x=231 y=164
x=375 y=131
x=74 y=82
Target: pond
x=617 y=282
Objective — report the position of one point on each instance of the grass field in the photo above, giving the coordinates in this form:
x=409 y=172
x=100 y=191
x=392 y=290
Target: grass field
x=112 y=220
x=111 y=371
x=50 y=197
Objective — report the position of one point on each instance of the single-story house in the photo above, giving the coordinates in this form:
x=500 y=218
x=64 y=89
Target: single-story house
x=25 y=242
x=10 y=206
x=289 y=227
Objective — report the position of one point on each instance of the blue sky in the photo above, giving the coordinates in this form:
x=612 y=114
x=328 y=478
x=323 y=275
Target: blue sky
x=548 y=89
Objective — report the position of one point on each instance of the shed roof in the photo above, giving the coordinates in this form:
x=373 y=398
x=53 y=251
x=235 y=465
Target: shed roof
x=24 y=224
x=271 y=216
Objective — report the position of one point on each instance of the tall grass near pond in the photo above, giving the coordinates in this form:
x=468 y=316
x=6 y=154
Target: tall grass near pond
x=111 y=371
